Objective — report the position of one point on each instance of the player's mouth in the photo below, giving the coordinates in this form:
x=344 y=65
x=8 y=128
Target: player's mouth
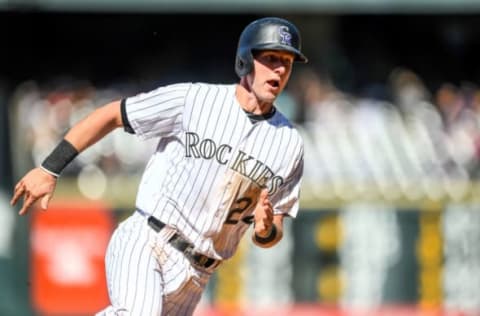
x=275 y=84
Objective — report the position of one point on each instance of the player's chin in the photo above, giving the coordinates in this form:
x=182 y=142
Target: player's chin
x=270 y=96
x=268 y=100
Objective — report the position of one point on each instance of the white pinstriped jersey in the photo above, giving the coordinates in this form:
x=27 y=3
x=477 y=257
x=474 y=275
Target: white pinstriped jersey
x=205 y=176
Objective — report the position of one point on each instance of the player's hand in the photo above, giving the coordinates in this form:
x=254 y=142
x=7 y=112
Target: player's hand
x=36 y=184
x=263 y=215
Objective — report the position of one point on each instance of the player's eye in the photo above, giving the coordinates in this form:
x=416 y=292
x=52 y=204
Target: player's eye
x=275 y=59
x=287 y=62
x=271 y=58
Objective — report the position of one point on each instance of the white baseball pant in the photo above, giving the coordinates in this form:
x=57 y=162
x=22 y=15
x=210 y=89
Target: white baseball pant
x=147 y=276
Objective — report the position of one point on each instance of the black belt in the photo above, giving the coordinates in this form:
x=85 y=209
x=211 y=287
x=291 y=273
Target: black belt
x=184 y=246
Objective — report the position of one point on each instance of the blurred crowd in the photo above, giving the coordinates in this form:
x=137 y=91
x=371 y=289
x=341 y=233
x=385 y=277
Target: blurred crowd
x=415 y=144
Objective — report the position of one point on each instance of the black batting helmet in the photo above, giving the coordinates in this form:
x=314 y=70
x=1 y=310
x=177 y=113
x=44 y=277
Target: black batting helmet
x=269 y=33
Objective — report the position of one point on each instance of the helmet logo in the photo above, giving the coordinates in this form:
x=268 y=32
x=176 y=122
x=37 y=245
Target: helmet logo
x=285 y=36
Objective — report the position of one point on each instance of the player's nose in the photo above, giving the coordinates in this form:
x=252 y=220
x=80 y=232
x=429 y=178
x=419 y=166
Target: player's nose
x=280 y=69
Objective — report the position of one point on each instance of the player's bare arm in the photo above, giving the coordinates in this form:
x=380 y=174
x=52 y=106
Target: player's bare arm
x=95 y=126
x=268 y=228
x=39 y=183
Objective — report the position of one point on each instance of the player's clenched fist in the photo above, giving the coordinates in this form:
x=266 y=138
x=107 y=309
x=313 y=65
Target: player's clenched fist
x=35 y=185
x=263 y=215
x=267 y=226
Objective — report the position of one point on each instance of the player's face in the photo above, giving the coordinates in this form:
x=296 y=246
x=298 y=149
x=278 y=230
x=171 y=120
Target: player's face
x=270 y=75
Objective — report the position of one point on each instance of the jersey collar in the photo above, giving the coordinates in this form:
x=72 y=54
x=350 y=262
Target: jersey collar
x=255 y=118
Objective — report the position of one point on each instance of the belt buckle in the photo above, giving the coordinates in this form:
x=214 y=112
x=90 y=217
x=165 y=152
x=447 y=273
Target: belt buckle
x=208 y=262
x=202 y=260
x=199 y=259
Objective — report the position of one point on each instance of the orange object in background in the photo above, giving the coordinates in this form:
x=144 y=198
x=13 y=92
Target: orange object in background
x=68 y=244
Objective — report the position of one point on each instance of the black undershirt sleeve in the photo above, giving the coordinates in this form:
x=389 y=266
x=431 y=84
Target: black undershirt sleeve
x=126 y=124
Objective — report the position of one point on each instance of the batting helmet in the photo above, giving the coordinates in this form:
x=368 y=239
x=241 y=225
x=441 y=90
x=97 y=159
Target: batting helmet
x=269 y=33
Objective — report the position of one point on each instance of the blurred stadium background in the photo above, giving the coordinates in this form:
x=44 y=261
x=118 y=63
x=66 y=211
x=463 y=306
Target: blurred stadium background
x=389 y=107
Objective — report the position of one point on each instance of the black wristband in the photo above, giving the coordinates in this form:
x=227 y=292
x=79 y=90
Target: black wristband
x=269 y=238
x=59 y=158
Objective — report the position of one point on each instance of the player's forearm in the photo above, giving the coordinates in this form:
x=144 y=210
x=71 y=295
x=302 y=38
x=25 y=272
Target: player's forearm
x=95 y=126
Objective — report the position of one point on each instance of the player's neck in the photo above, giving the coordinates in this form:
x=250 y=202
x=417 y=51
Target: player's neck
x=249 y=103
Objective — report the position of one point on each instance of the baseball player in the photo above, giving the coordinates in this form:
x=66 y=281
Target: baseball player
x=226 y=159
